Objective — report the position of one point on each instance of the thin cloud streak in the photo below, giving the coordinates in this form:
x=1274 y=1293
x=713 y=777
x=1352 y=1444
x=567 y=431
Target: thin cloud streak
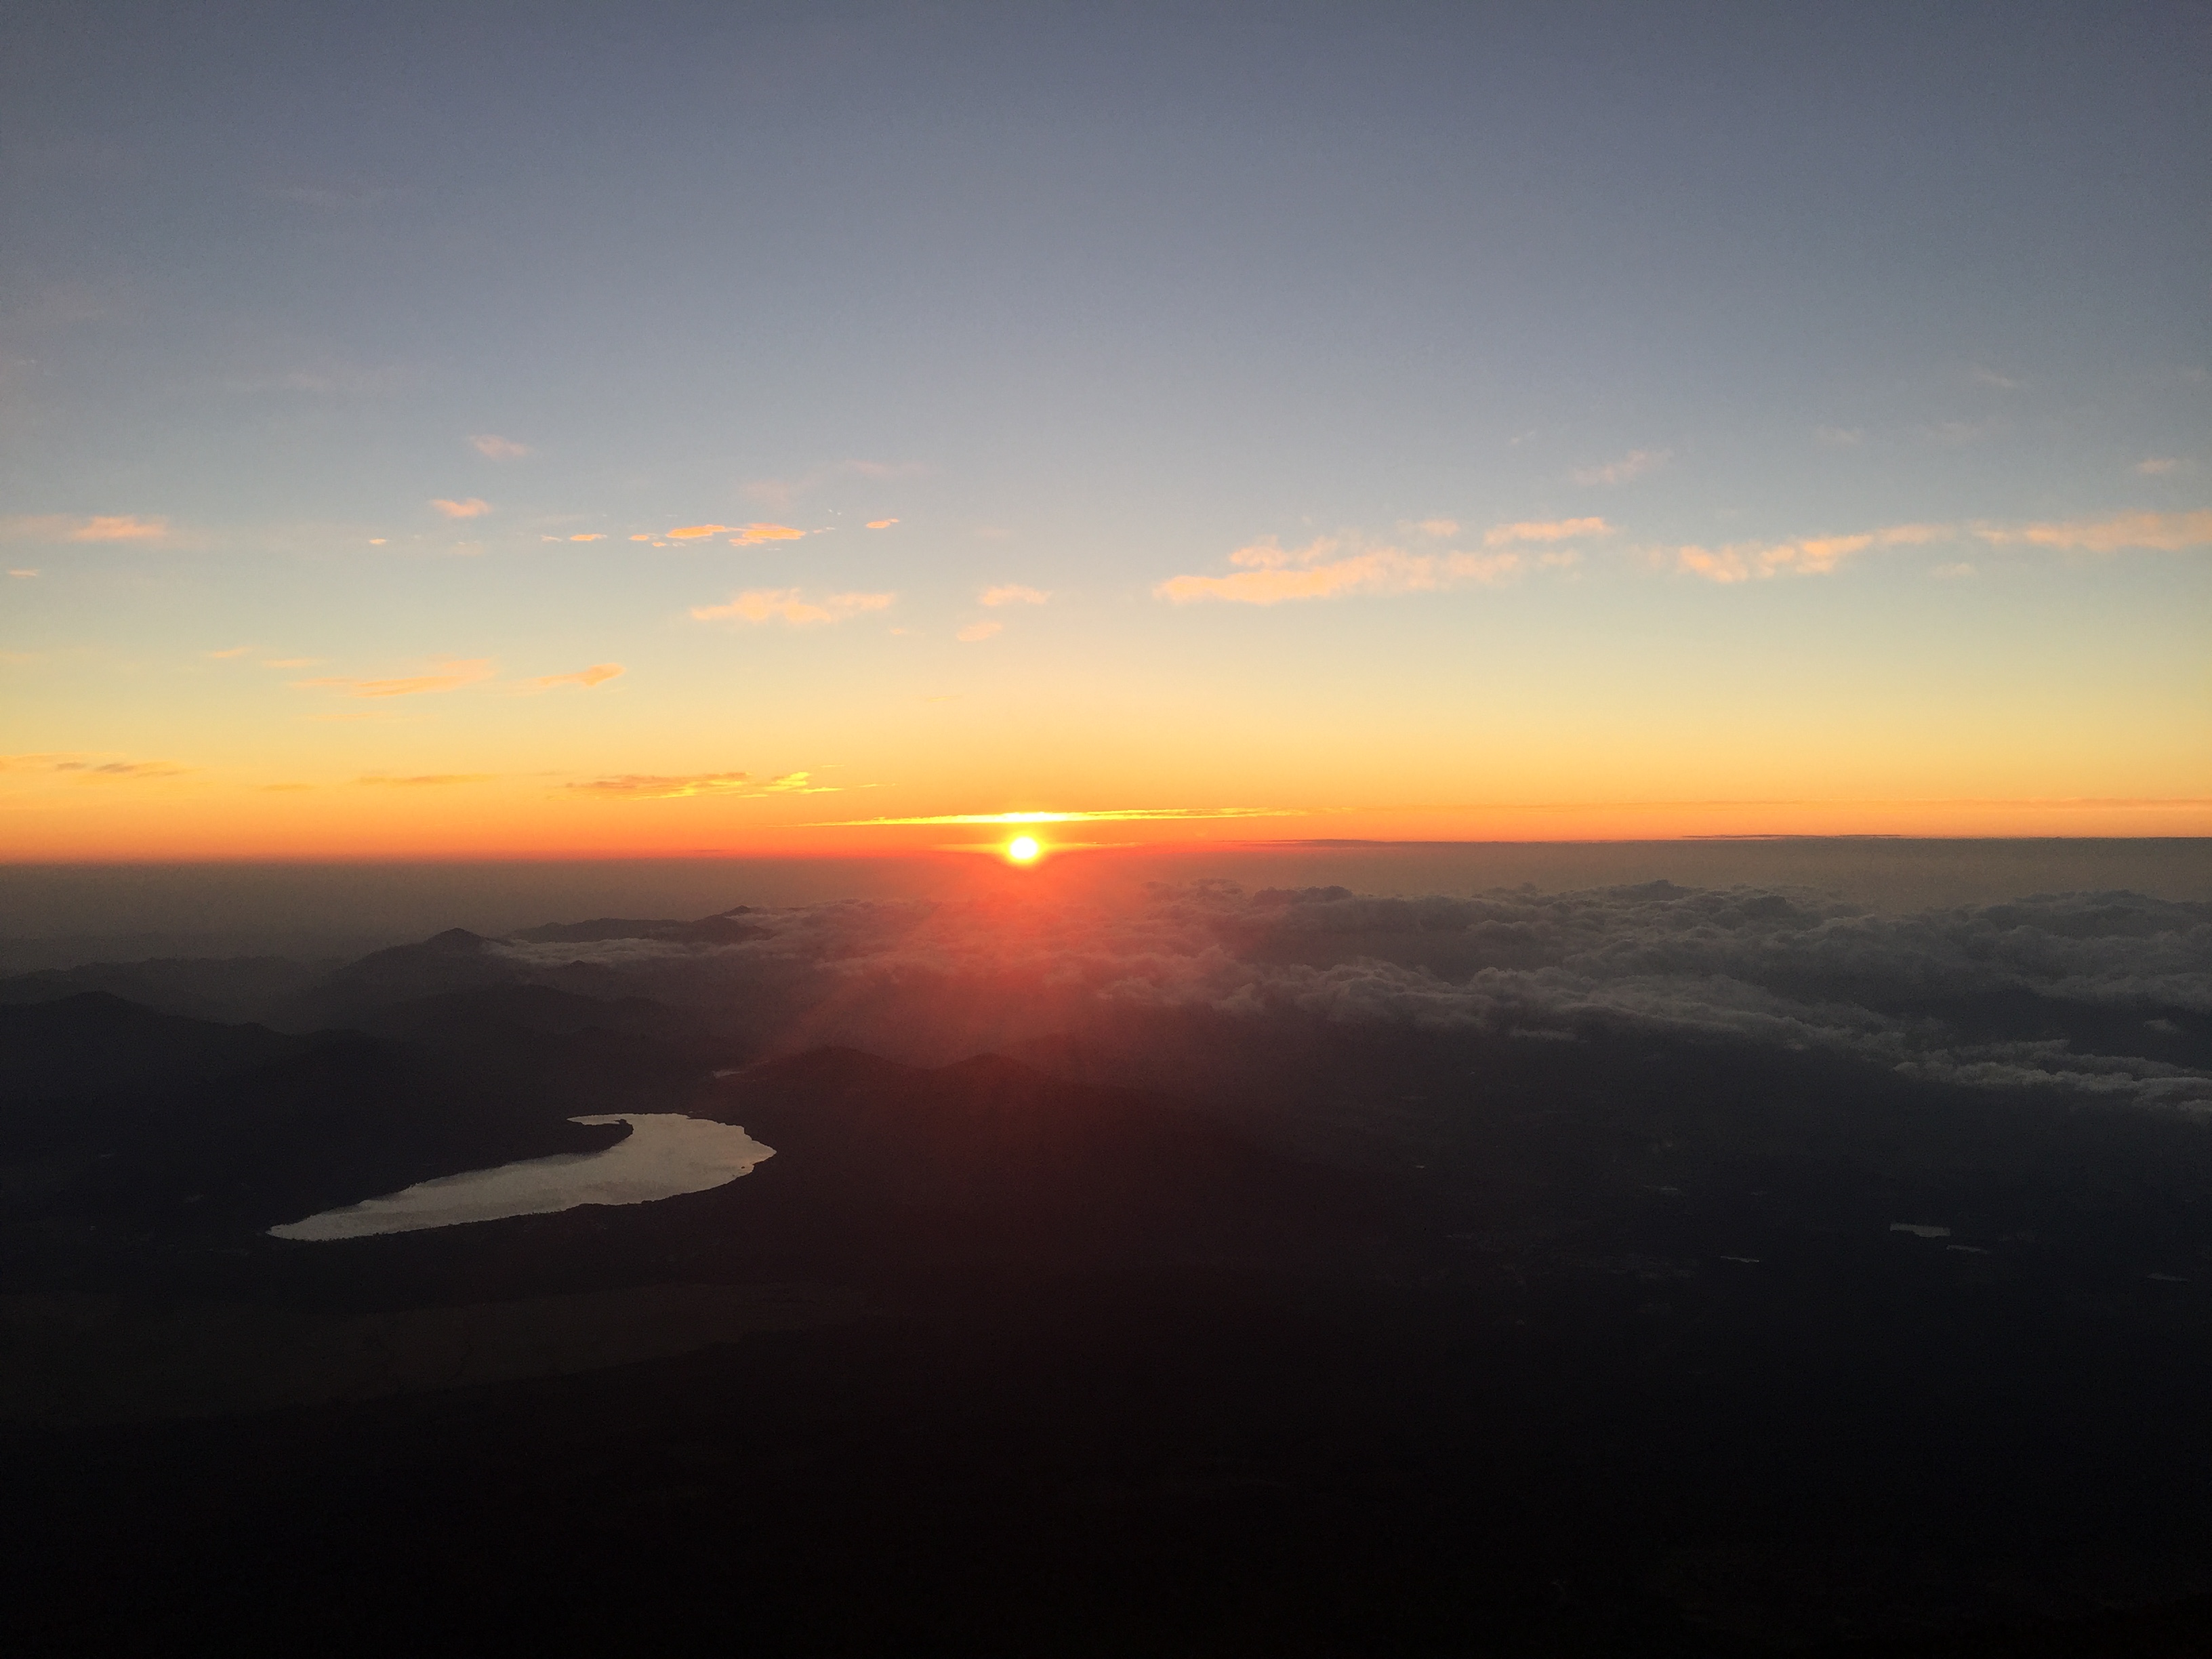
x=641 y=786
x=1813 y=556
x=1113 y=815
x=789 y=606
x=453 y=676
x=474 y=507
x=1634 y=465
x=1010 y=594
x=598 y=674
x=2160 y=532
x=494 y=447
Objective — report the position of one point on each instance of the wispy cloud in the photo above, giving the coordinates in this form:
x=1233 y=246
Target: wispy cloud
x=494 y=447
x=598 y=674
x=1336 y=566
x=590 y=536
x=787 y=606
x=881 y=524
x=753 y=534
x=450 y=676
x=1811 y=556
x=1551 y=529
x=24 y=574
x=1437 y=527
x=91 y=768
x=1952 y=572
x=70 y=527
x=637 y=786
x=1012 y=593
x=2158 y=466
x=432 y=780
x=1838 y=437
x=475 y=507
x=2164 y=533
x=1989 y=377
x=783 y=493
x=1633 y=464
x=981 y=630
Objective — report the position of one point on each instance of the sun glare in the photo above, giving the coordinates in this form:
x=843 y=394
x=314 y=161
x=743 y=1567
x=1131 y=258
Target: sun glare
x=1024 y=849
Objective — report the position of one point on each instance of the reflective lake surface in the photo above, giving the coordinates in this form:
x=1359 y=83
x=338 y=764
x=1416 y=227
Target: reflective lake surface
x=665 y=1154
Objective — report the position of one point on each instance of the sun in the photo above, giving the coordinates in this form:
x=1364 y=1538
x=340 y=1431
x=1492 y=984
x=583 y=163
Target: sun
x=1024 y=849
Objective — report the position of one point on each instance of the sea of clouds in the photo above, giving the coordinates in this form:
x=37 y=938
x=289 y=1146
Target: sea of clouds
x=2104 y=995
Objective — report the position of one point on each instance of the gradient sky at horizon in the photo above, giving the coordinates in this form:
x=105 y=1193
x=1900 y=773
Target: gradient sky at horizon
x=1431 y=420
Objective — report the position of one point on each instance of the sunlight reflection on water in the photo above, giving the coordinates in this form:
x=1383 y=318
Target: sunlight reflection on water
x=665 y=1154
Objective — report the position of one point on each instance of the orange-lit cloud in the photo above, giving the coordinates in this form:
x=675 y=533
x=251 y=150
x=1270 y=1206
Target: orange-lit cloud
x=598 y=674
x=786 y=605
x=1633 y=464
x=65 y=527
x=26 y=574
x=881 y=524
x=494 y=447
x=1813 y=556
x=1333 y=567
x=974 y=631
x=1554 y=529
x=692 y=532
x=635 y=786
x=589 y=536
x=2158 y=466
x=2163 y=533
x=452 y=674
x=1010 y=594
x=475 y=507
x=1437 y=527
x=753 y=534
x=431 y=779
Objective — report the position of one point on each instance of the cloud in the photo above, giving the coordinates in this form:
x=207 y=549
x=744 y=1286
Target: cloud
x=23 y=573
x=1010 y=594
x=692 y=532
x=1332 y=567
x=376 y=541
x=1555 y=529
x=645 y=536
x=1785 y=972
x=496 y=448
x=783 y=493
x=474 y=507
x=431 y=779
x=450 y=676
x=2158 y=466
x=786 y=605
x=1105 y=814
x=1438 y=527
x=1838 y=437
x=1989 y=377
x=589 y=536
x=981 y=630
x=753 y=534
x=1814 y=556
x=1952 y=572
x=1633 y=464
x=635 y=786
x=235 y=651
x=92 y=767
x=598 y=674
x=881 y=524
x=2164 y=533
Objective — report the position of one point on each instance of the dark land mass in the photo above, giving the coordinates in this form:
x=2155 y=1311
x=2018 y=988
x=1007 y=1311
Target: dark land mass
x=1202 y=1337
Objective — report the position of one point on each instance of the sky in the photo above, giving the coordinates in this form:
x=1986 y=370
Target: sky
x=543 y=431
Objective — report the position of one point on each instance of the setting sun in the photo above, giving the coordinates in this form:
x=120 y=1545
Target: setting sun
x=1024 y=849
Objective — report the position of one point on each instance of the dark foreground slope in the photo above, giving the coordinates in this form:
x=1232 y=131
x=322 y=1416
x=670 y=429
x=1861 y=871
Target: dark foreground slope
x=992 y=1359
